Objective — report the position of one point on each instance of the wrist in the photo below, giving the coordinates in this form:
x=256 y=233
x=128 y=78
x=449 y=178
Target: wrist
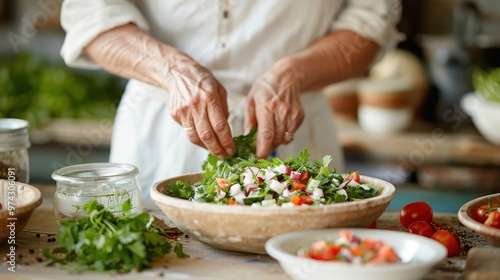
x=288 y=68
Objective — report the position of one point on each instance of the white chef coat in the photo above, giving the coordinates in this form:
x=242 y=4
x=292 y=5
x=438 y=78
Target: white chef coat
x=238 y=41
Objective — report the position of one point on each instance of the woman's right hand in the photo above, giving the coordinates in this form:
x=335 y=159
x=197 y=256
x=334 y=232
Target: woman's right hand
x=198 y=102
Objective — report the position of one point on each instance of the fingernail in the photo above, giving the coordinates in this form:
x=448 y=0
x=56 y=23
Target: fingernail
x=231 y=151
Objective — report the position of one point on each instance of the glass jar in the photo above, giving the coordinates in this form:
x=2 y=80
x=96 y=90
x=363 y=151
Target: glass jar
x=111 y=184
x=14 y=144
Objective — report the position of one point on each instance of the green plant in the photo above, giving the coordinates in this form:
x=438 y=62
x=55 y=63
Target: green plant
x=38 y=91
x=487 y=83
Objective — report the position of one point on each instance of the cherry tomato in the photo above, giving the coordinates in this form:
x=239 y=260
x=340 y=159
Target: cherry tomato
x=353 y=176
x=421 y=228
x=449 y=240
x=493 y=219
x=484 y=210
x=415 y=211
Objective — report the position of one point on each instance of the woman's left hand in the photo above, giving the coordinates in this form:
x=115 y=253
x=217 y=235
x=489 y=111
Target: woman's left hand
x=273 y=105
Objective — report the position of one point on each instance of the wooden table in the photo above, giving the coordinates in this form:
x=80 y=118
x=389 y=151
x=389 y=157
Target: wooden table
x=205 y=262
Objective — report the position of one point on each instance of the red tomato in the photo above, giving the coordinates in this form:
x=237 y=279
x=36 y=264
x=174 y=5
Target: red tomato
x=493 y=220
x=304 y=177
x=421 y=228
x=302 y=199
x=415 y=211
x=484 y=210
x=325 y=254
x=353 y=176
x=449 y=240
x=298 y=186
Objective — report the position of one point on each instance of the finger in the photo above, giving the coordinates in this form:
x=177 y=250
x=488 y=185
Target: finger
x=223 y=98
x=222 y=130
x=192 y=135
x=208 y=136
x=265 y=133
x=250 y=118
x=279 y=133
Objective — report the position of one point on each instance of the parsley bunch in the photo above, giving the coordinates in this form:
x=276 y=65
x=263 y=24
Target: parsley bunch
x=107 y=243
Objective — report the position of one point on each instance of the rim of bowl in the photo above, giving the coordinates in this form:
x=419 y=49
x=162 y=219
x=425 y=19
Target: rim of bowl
x=468 y=221
x=473 y=99
x=272 y=248
x=388 y=194
x=34 y=203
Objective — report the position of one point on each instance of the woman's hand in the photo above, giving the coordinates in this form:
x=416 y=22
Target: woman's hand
x=273 y=105
x=198 y=102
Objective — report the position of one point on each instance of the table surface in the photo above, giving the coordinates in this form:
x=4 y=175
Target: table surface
x=205 y=263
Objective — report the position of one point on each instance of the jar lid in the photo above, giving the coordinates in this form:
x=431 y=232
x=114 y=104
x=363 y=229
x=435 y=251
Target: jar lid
x=103 y=172
x=13 y=134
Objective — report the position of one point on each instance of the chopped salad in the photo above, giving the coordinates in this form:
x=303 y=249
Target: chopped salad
x=260 y=182
x=350 y=248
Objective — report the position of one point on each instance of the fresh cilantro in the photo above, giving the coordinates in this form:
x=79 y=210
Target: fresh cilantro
x=104 y=242
x=180 y=189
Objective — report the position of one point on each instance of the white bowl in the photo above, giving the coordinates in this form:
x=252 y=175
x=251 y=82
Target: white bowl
x=418 y=255
x=485 y=116
x=381 y=120
x=246 y=229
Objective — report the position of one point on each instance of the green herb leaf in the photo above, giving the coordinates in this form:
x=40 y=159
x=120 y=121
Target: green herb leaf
x=107 y=243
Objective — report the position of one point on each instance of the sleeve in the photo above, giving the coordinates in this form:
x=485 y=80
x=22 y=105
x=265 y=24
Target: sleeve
x=375 y=20
x=84 y=20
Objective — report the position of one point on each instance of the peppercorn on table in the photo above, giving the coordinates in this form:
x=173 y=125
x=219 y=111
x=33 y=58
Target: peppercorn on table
x=205 y=263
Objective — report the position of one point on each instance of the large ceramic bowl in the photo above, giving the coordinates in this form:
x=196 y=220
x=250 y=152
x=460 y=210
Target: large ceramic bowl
x=18 y=200
x=466 y=216
x=246 y=229
x=418 y=256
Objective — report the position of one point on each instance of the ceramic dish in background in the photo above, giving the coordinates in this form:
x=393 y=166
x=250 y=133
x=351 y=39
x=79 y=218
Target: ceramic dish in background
x=25 y=197
x=418 y=256
x=246 y=229
x=485 y=116
x=466 y=216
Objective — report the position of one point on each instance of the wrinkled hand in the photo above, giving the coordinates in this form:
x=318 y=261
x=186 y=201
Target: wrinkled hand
x=274 y=107
x=198 y=102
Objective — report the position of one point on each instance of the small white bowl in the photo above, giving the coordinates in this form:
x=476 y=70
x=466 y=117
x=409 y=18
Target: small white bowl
x=381 y=120
x=418 y=255
x=485 y=116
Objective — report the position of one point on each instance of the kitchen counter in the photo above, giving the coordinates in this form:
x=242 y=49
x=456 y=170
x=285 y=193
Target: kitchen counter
x=205 y=263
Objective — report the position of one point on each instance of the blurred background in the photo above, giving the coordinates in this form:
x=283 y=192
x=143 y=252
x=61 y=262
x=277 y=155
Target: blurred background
x=426 y=117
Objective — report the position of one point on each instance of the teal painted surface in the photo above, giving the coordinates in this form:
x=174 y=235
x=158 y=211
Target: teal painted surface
x=441 y=200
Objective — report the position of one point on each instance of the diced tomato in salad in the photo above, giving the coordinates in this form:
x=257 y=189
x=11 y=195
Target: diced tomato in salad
x=350 y=248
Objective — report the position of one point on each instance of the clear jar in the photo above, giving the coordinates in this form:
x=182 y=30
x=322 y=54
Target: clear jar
x=14 y=144
x=111 y=184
